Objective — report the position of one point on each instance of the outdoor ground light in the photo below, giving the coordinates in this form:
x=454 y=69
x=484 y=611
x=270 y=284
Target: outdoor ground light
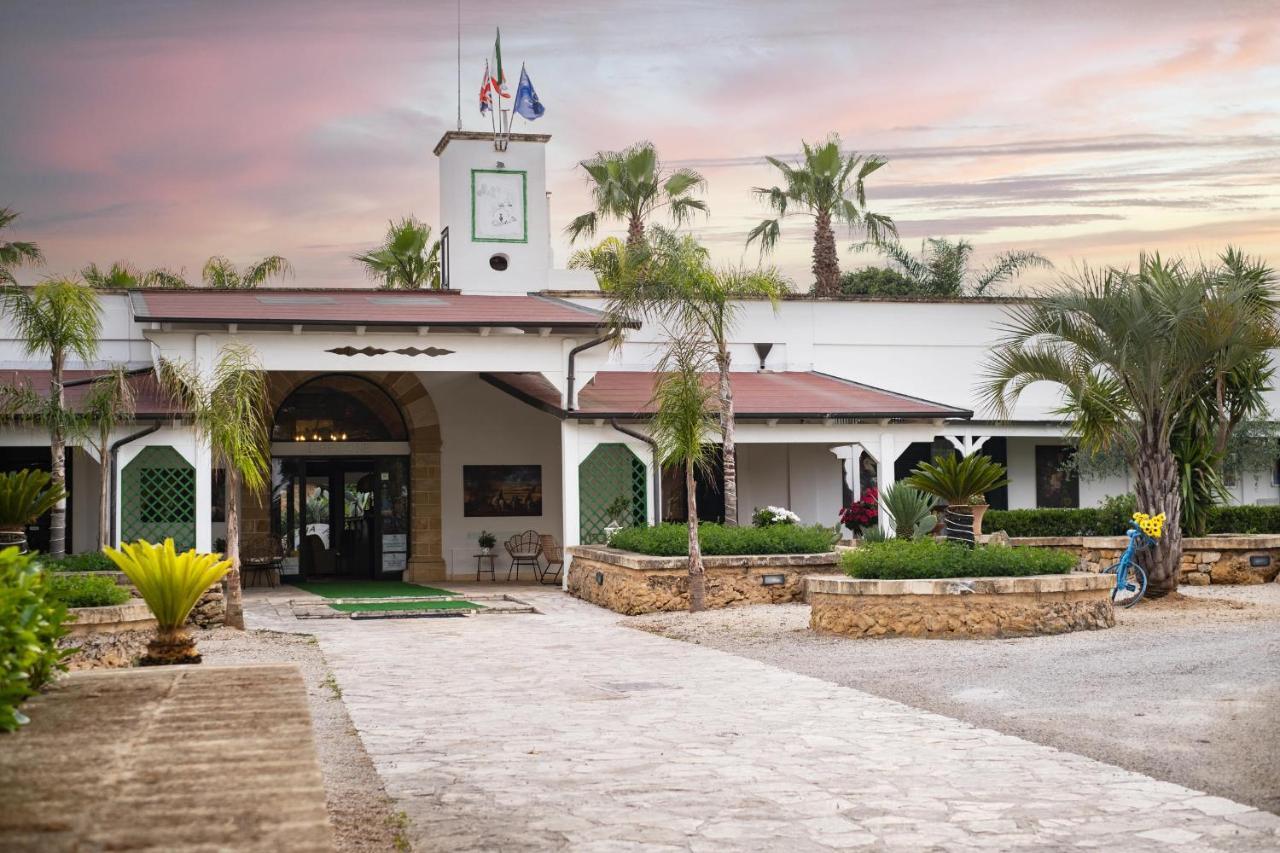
x=773 y=580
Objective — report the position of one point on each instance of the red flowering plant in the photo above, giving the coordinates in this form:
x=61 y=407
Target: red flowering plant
x=863 y=513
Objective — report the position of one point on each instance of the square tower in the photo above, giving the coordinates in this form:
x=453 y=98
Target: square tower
x=494 y=204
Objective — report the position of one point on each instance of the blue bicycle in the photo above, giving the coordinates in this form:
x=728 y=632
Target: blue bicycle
x=1131 y=578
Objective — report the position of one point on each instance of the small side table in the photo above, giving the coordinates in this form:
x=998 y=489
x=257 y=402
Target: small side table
x=480 y=558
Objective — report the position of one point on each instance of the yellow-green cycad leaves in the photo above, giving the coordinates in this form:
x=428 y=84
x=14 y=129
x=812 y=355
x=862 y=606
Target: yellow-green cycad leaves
x=170 y=583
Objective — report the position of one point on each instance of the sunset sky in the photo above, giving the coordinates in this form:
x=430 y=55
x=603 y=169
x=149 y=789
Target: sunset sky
x=164 y=132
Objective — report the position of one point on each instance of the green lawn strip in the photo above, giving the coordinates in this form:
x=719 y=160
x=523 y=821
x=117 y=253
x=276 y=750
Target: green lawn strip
x=368 y=589
x=383 y=606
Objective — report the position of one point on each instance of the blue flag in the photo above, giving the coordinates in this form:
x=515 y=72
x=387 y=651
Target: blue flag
x=527 y=104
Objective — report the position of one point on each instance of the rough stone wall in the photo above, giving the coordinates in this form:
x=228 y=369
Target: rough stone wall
x=210 y=611
x=1205 y=560
x=632 y=591
x=959 y=616
x=107 y=637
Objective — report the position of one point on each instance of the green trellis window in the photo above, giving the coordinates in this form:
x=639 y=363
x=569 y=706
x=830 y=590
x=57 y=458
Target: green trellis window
x=612 y=487
x=158 y=498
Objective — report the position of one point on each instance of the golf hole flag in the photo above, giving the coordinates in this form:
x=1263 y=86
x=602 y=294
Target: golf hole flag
x=527 y=104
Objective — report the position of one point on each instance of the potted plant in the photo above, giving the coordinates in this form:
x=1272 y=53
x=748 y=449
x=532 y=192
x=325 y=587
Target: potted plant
x=24 y=496
x=979 y=506
x=486 y=541
x=862 y=514
x=171 y=584
x=958 y=480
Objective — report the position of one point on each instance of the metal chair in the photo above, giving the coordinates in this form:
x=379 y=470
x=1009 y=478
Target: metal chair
x=260 y=558
x=524 y=549
x=553 y=555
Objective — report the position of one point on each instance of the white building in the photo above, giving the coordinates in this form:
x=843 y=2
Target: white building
x=495 y=405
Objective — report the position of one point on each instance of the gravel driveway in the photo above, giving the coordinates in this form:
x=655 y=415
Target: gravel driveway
x=1185 y=690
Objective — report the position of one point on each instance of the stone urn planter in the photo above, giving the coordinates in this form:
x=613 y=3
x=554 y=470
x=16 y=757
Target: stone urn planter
x=978 y=510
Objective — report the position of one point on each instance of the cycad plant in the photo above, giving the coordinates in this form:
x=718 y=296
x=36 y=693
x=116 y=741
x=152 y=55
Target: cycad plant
x=171 y=584
x=220 y=274
x=408 y=258
x=960 y=481
x=909 y=511
x=829 y=186
x=631 y=186
x=25 y=496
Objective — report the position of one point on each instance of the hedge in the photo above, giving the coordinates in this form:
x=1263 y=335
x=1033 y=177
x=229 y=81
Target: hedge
x=716 y=540
x=30 y=626
x=87 y=590
x=923 y=559
x=89 y=561
x=1109 y=521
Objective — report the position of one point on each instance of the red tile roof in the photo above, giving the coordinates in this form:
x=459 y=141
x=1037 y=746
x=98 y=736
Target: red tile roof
x=358 y=307
x=791 y=394
x=149 y=400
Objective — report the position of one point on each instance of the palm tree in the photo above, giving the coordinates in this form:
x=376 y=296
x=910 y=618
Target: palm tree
x=821 y=186
x=681 y=428
x=630 y=186
x=229 y=409
x=109 y=403
x=220 y=274
x=15 y=253
x=407 y=259
x=122 y=275
x=676 y=284
x=942 y=268
x=1130 y=350
x=61 y=317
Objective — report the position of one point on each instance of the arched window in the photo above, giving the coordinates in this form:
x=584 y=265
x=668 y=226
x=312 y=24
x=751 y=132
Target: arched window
x=339 y=407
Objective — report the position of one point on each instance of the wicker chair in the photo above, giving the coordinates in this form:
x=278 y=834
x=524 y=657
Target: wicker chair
x=553 y=555
x=524 y=549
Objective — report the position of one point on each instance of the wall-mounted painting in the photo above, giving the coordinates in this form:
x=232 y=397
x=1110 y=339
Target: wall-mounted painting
x=1057 y=486
x=498 y=207
x=501 y=491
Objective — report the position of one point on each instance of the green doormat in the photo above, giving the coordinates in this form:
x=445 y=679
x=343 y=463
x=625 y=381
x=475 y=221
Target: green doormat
x=368 y=589
x=383 y=606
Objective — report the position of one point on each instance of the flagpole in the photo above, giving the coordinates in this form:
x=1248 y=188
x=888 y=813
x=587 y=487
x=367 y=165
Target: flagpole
x=459 y=17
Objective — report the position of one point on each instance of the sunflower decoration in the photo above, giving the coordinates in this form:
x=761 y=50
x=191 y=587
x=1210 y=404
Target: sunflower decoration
x=1151 y=525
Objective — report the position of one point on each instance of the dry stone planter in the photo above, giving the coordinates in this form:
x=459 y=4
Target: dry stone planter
x=108 y=637
x=960 y=608
x=1225 y=559
x=210 y=611
x=631 y=583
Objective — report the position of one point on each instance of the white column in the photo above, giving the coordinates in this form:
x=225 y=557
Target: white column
x=569 y=509
x=202 y=455
x=888 y=456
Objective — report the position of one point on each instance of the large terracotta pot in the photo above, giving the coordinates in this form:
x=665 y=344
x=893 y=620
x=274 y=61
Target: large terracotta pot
x=979 y=510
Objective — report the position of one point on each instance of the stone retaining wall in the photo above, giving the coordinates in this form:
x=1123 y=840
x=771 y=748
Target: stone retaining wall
x=107 y=637
x=1205 y=559
x=960 y=608
x=632 y=583
x=210 y=611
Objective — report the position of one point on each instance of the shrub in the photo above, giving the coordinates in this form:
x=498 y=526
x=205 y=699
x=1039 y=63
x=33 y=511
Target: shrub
x=30 y=626
x=767 y=516
x=90 y=561
x=1112 y=519
x=672 y=540
x=87 y=590
x=1244 y=519
x=907 y=559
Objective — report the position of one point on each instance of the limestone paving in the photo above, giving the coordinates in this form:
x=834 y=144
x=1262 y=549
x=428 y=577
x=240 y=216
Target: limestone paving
x=567 y=731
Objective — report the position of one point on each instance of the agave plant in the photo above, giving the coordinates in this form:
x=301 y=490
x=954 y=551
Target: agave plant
x=170 y=584
x=910 y=511
x=25 y=496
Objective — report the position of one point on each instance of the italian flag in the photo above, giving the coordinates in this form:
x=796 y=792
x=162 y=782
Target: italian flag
x=498 y=79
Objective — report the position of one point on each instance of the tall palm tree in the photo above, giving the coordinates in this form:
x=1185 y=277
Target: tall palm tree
x=681 y=427
x=829 y=186
x=109 y=403
x=122 y=275
x=1129 y=350
x=60 y=317
x=407 y=259
x=942 y=268
x=228 y=406
x=220 y=274
x=15 y=253
x=630 y=186
x=677 y=285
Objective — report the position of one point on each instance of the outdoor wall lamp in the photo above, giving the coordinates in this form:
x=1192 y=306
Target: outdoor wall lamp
x=773 y=580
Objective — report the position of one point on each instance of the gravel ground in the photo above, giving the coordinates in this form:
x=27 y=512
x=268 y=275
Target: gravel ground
x=364 y=818
x=1186 y=689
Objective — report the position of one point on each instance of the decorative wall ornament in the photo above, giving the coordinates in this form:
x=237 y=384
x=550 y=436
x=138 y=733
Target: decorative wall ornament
x=371 y=351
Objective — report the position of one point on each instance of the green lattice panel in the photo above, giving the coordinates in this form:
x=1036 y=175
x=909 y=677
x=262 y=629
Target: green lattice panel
x=611 y=472
x=158 y=498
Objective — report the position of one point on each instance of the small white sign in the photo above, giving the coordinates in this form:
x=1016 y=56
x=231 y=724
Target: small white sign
x=394 y=562
x=395 y=542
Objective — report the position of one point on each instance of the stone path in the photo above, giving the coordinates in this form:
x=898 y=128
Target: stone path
x=568 y=731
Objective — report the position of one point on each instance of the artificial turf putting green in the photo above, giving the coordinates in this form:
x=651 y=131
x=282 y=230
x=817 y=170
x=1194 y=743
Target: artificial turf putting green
x=368 y=589
x=357 y=607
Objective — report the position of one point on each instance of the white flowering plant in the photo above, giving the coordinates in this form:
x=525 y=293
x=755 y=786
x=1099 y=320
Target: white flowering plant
x=769 y=516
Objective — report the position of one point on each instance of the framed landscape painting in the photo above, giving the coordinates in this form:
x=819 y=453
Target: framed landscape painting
x=501 y=491
x=499 y=208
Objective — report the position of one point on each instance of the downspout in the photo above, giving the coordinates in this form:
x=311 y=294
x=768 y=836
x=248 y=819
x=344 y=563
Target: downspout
x=657 y=466
x=569 y=374
x=115 y=475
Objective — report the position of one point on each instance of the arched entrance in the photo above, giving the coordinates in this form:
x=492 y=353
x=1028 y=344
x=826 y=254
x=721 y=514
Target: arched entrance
x=341 y=495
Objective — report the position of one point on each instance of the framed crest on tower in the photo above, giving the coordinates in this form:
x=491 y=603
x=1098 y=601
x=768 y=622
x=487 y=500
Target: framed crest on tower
x=499 y=206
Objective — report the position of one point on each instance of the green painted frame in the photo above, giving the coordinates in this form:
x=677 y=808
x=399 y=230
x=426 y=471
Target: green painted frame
x=524 y=202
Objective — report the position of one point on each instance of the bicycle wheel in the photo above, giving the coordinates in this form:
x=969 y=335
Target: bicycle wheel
x=1134 y=587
